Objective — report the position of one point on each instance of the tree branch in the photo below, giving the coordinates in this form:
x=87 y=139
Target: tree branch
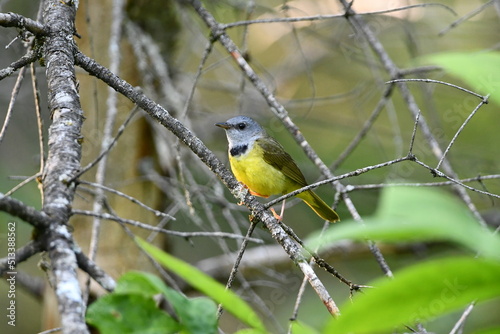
x=214 y=164
x=29 y=214
x=64 y=154
x=21 y=22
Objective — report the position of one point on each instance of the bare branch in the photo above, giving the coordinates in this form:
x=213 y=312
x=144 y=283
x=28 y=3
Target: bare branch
x=162 y=230
x=21 y=22
x=22 y=254
x=29 y=214
x=91 y=268
x=25 y=60
x=63 y=161
x=13 y=98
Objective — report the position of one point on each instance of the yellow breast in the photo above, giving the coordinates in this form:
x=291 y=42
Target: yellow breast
x=260 y=177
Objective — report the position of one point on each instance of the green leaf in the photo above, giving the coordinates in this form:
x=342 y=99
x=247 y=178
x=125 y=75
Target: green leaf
x=196 y=315
x=129 y=314
x=231 y=302
x=418 y=293
x=299 y=327
x=416 y=214
x=478 y=69
x=140 y=283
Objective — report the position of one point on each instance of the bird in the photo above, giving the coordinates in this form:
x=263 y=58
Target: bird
x=263 y=166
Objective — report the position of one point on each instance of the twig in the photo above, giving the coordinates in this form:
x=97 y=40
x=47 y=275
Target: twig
x=236 y=264
x=94 y=271
x=22 y=184
x=39 y=121
x=25 y=60
x=452 y=141
x=13 y=98
x=366 y=127
x=186 y=235
x=454 y=181
x=478 y=178
x=460 y=323
x=108 y=148
x=107 y=137
x=414 y=134
x=130 y=198
x=22 y=254
x=466 y=17
x=29 y=214
x=356 y=172
x=329 y=17
x=483 y=98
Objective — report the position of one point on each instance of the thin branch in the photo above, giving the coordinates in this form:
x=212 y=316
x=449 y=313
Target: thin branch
x=362 y=28
x=39 y=121
x=452 y=141
x=478 y=178
x=130 y=198
x=107 y=148
x=461 y=321
x=22 y=184
x=8 y=264
x=456 y=182
x=329 y=17
x=414 y=134
x=94 y=271
x=483 y=98
x=186 y=235
x=366 y=127
x=237 y=261
x=13 y=98
x=466 y=17
x=25 y=60
x=29 y=214
x=356 y=172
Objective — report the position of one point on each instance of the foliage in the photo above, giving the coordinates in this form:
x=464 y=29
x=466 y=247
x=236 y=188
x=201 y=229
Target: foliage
x=430 y=288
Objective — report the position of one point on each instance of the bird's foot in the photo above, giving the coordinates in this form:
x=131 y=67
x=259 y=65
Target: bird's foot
x=277 y=216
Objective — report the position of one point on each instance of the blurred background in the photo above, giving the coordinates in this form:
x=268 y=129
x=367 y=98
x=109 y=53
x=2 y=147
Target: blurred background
x=328 y=80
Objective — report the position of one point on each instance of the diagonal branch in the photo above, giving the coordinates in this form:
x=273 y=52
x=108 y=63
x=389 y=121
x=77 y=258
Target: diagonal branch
x=259 y=213
x=218 y=32
x=29 y=214
x=21 y=22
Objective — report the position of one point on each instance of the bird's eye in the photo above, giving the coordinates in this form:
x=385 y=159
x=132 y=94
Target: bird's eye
x=242 y=126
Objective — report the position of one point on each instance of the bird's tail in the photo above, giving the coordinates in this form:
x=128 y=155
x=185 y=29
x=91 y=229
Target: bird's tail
x=320 y=207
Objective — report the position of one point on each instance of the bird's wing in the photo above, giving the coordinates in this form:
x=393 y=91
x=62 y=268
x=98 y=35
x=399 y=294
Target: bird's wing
x=276 y=156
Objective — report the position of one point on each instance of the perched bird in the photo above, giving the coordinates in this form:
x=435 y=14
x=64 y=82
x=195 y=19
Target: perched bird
x=262 y=165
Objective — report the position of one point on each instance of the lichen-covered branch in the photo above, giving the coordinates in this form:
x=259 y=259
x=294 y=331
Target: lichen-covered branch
x=64 y=153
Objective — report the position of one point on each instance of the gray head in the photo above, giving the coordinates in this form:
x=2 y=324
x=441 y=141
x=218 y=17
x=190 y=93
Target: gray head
x=242 y=130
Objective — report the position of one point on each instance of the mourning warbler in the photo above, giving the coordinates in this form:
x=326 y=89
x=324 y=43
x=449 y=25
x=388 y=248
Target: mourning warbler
x=262 y=165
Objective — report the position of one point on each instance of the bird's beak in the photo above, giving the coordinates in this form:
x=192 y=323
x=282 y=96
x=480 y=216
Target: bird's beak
x=223 y=125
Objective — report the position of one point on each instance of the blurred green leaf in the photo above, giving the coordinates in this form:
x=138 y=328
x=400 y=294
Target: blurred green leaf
x=416 y=214
x=480 y=70
x=298 y=327
x=129 y=313
x=231 y=302
x=494 y=330
x=418 y=293
x=195 y=315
